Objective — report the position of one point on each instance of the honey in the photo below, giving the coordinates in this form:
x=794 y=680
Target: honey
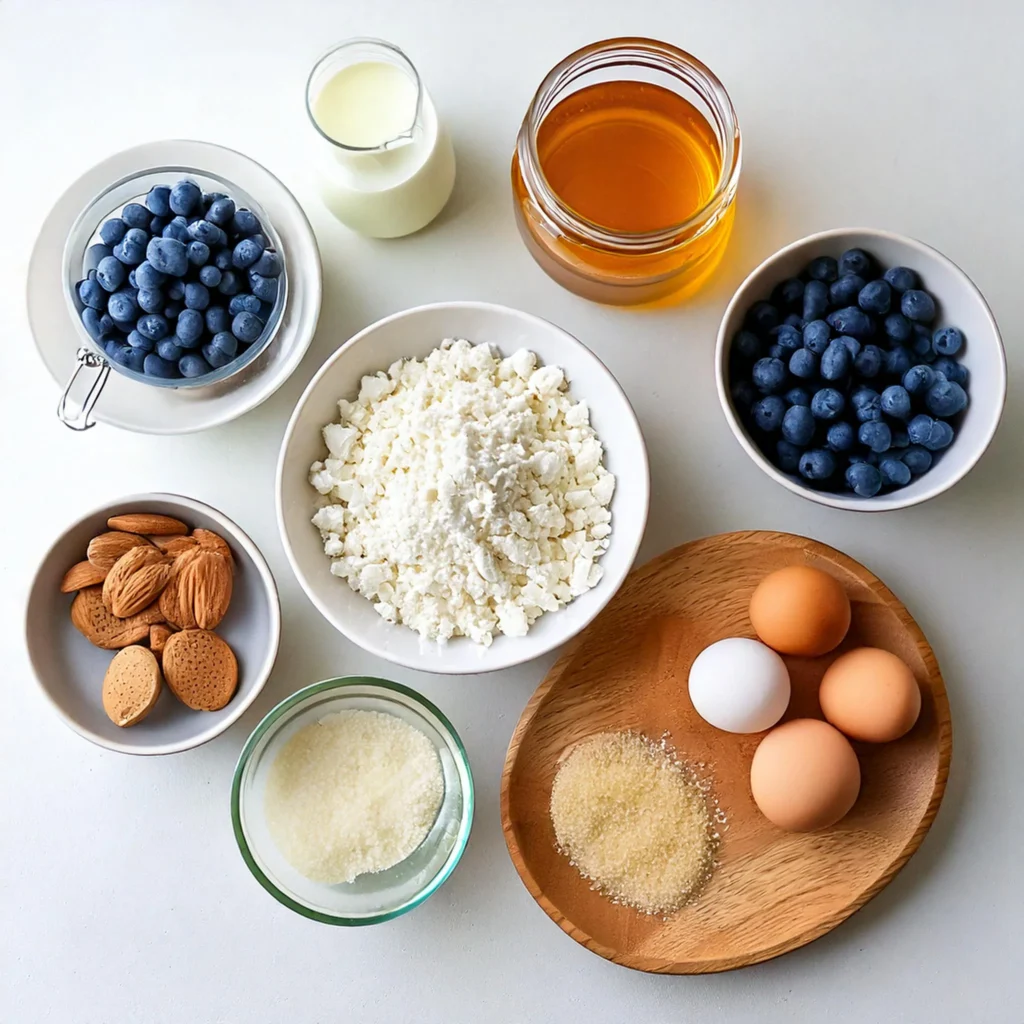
x=624 y=186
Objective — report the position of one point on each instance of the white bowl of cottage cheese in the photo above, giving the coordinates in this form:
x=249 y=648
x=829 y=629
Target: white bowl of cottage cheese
x=462 y=487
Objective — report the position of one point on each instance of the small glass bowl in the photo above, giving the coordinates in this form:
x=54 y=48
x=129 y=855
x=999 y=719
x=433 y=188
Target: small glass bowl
x=371 y=898
x=134 y=188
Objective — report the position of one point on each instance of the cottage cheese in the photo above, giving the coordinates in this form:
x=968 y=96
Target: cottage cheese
x=464 y=494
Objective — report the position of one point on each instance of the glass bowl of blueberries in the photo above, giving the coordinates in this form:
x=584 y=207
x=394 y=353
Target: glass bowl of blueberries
x=175 y=277
x=861 y=369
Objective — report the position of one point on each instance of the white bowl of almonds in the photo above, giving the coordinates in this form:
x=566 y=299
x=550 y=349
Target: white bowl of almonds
x=153 y=622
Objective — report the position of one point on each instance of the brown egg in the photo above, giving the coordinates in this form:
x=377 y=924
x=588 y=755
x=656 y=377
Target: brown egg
x=870 y=695
x=800 y=610
x=804 y=775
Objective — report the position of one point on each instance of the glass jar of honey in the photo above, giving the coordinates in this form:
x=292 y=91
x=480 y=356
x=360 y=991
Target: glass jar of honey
x=625 y=172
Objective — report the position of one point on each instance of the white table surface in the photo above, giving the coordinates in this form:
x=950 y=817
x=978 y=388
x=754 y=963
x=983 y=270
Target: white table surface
x=122 y=895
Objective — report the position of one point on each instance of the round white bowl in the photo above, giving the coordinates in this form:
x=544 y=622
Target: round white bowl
x=960 y=305
x=415 y=333
x=70 y=670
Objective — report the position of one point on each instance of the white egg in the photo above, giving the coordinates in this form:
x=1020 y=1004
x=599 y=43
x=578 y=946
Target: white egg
x=739 y=685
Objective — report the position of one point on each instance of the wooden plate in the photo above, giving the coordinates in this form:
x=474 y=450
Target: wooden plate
x=772 y=891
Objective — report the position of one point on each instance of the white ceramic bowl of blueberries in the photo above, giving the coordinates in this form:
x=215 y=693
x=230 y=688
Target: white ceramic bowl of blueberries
x=861 y=369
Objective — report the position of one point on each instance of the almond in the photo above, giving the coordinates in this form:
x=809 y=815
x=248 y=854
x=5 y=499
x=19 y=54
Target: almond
x=200 y=669
x=131 y=686
x=144 y=522
x=107 y=548
x=136 y=580
x=214 y=542
x=199 y=592
x=90 y=617
x=158 y=635
x=175 y=545
x=81 y=574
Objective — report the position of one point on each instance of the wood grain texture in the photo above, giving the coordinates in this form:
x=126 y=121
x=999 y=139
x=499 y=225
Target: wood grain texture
x=772 y=891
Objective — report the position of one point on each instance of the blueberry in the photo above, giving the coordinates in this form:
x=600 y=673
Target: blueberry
x=816 y=335
x=947 y=341
x=155 y=366
x=767 y=412
x=768 y=375
x=215 y=356
x=131 y=250
x=209 y=234
x=896 y=402
x=209 y=198
x=135 y=358
x=852 y=345
x=169 y=349
x=823 y=268
x=815 y=300
x=901 y=279
x=941 y=436
x=92 y=294
x=197 y=296
x=91 y=322
x=803 y=363
x=945 y=398
x=788 y=337
x=209 y=275
x=135 y=215
x=951 y=370
x=123 y=307
x=147 y=276
x=917 y=459
x=117 y=351
x=920 y=430
x=220 y=212
x=260 y=240
x=743 y=393
x=835 y=361
x=193 y=365
x=787 y=456
x=840 y=436
x=897 y=361
x=851 y=320
x=138 y=340
x=150 y=299
x=798 y=425
x=177 y=229
x=189 y=328
x=875 y=435
x=745 y=344
x=791 y=319
x=168 y=256
x=918 y=306
x=217 y=320
x=797 y=396
x=846 y=289
x=868 y=362
x=172 y=308
x=788 y=294
x=131 y=280
x=158 y=200
x=827 y=404
x=157 y=225
x=227 y=343
x=113 y=230
x=900 y=438
x=867 y=404
x=185 y=197
x=855 y=261
x=778 y=352
x=153 y=326
x=763 y=316
x=94 y=254
x=269 y=265
x=244 y=303
x=176 y=290
x=894 y=472
x=222 y=259
x=244 y=222
x=921 y=344
x=198 y=253
x=107 y=324
x=264 y=288
x=863 y=479
x=897 y=327
x=229 y=283
x=817 y=464
x=247 y=328
x=875 y=297
x=246 y=253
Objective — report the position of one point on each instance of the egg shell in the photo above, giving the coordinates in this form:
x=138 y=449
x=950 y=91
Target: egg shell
x=871 y=695
x=739 y=685
x=800 y=610
x=804 y=775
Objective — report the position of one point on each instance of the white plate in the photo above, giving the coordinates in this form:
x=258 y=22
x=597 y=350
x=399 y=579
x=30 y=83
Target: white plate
x=150 y=410
x=415 y=333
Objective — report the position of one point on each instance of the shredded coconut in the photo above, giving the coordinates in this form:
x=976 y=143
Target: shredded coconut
x=466 y=493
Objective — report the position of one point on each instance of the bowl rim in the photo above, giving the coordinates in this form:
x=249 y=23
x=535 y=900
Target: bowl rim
x=274 y=609
x=512 y=659
x=271 y=718
x=880 y=503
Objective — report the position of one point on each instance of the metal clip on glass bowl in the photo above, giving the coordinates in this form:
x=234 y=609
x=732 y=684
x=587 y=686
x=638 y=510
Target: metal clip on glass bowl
x=85 y=359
